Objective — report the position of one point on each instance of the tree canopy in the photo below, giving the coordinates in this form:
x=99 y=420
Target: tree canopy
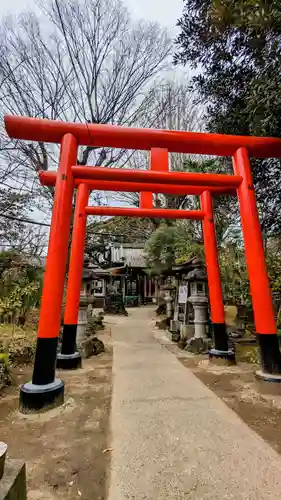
x=235 y=47
x=101 y=235
x=169 y=245
x=20 y=285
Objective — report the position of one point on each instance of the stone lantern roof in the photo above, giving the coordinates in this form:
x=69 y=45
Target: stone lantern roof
x=197 y=274
x=87 y=274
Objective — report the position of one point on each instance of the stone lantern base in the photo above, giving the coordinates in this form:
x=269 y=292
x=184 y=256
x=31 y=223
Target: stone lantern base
x=198 y=345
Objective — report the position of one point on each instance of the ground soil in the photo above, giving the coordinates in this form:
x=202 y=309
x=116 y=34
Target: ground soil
x=66 y=449
x=237 y=386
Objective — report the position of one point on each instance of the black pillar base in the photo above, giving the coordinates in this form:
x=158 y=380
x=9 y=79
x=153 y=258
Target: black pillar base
x=220 y=337
x=45 y=391
x=228 y=356
x=221 y=350
x=69 y=358
x=269 y=354
x=44 y=371
x=68 y=345
x=268 y=377
x=69 y=361
x=35 y=398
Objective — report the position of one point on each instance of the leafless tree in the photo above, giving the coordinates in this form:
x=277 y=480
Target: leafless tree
x=176 y=111
x=89 y=62
x=16 y=233
x=75 y=60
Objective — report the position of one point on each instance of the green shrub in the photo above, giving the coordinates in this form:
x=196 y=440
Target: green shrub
x=18 y=343
x=94 y=324
x=248 y=354
x=5 y=371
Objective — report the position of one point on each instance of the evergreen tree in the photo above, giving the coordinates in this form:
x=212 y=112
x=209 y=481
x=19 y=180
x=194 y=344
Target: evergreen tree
x=235 y=46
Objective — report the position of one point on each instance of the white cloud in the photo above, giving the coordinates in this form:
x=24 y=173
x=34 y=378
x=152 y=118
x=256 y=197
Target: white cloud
x=14 y=6
x=166 y=12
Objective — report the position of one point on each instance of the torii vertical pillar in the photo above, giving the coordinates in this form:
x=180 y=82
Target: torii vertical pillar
x=221 y=349
x=257 y=272
x=69 y=358
x=45 y=390
x=159 y=160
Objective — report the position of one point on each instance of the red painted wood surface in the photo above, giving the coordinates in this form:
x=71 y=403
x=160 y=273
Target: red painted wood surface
x=89 y=134
x=156 y=213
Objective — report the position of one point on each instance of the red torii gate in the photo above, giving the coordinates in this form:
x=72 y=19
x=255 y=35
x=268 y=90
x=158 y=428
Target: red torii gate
x=45 y=389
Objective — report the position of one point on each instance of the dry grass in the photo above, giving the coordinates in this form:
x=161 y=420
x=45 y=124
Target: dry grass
x=18 y=342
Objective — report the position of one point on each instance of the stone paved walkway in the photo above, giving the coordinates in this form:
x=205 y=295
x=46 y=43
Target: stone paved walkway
x=172 y=438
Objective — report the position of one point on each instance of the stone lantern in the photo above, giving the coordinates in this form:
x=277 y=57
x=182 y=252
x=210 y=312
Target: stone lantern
x=168 y=298
x=85 y=300
x=199 y=300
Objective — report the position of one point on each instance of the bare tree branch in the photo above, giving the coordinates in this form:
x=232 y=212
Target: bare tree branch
x=173 y=108
x=76 y=60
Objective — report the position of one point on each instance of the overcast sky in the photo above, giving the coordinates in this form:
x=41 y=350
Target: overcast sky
x=166 y=12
